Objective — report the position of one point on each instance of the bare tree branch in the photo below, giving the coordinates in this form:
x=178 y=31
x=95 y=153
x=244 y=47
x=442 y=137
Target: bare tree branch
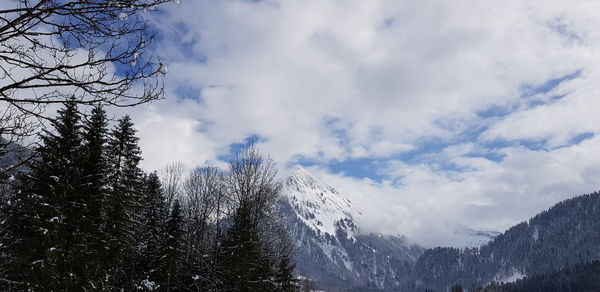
x=89 y=51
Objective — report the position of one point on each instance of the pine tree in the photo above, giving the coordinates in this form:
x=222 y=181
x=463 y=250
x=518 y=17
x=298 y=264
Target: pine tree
x=244 y=265
x=151 y=230
x=123 y=200
x=95 y=179
x=457 y=288
x=284 y=278
x=171 y=250
x=45 y=232
x=25 y=239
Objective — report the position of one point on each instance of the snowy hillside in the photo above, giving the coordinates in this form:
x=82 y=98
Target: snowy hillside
x=331 y=249
x=317 y=204
x=465 y=236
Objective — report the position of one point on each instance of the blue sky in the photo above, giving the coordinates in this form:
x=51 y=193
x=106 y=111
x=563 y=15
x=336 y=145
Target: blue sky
x=426 y=114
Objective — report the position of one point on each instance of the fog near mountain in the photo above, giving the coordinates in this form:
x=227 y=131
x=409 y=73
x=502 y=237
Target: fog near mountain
x=565 y=235
x=450 y=120
x=333 y=249
x=339 y=255
x=465 y=237
x=409 y=212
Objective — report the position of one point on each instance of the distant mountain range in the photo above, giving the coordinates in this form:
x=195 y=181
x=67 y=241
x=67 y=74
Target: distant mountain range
x=337 y=256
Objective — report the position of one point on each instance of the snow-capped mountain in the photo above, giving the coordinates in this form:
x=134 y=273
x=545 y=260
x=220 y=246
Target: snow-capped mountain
x=465 y=236
x=332 y=250
x=317 y=204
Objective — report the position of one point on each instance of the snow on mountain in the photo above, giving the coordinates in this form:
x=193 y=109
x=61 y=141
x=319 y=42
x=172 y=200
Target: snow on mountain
x=332 y=251
x=465 y=236
x=317 y=204
x=512 y=277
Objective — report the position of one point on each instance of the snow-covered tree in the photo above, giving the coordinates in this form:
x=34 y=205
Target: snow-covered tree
x=46 y=236
x=151 y=231
x=172 y=249
x=85 y=217
x=244 y=262
x=123 y=200
x=94 y=178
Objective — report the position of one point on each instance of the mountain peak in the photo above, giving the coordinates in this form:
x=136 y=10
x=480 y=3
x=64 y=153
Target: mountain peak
x=319 y=205
x=304 y=178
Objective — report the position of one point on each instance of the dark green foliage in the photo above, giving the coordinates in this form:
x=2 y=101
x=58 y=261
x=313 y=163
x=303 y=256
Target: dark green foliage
x=566 y=234
x=123 y=200
x=49 y=223
x=94 y=185
x=170 y=260
x=84 y=217
x=581 y=277
x=25 y=239
x=285 y=279
x=244 y=264
x=58 y=177
x=151 y=231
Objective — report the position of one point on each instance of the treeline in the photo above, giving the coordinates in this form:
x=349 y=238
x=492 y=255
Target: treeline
x=579 y=278
x=565 y=235
x=83 y=216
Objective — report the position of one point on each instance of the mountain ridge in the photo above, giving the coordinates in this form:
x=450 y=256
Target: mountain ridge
x=340 y=256
x=562 y=236
x=333 y=250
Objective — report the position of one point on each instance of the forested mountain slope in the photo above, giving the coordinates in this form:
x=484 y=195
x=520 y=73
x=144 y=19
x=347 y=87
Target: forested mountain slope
x=565 y=235
x=581 y=277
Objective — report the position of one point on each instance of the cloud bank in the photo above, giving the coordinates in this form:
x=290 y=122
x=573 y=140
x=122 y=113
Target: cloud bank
x=474 y=112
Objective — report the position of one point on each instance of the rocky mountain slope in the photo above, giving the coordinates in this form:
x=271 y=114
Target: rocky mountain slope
x=339 y=257
x=332 y=251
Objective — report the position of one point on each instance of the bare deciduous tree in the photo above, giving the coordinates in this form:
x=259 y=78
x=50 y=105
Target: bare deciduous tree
x=252 y=180
x=203 y=191
x=219 y=203
x=49 y=45
x=258 y=234
x=171 y=180
x=89 y=51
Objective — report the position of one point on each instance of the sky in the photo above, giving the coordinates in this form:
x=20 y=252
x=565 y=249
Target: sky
x=426 y=114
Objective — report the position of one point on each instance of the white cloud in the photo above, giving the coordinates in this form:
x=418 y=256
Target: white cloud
x=334 y=80
x=425 y=202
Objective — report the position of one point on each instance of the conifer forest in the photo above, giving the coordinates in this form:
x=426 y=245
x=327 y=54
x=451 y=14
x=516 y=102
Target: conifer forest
x=299 y=146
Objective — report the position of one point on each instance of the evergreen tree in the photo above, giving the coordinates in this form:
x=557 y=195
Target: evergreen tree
x=284 y=278
x=47 y=240
x=25 y=238
x=86 y=219
x=171 y=250
x=151 y=230
x=123 y=200
x=244 y=265
x=95 y=178
x=457 y=288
